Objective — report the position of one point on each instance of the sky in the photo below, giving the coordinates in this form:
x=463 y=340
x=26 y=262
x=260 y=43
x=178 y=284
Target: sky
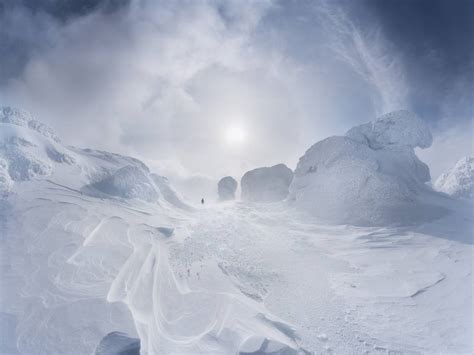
x=214 y=88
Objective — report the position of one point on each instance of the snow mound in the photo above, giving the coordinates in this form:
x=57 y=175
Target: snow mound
x=459 y=181
x=371 y=176
x=268 y=184
x=226 y=188
x=129 y=182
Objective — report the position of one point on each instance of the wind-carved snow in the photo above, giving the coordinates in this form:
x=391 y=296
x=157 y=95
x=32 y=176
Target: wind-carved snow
x=370 y=176
x=87 y=271
x=268 y=184
x=459 y=181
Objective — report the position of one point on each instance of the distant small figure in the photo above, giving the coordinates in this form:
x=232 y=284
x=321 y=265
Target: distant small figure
x=202 y=201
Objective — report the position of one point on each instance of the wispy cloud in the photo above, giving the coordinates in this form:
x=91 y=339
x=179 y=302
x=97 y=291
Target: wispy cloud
x=370 y=54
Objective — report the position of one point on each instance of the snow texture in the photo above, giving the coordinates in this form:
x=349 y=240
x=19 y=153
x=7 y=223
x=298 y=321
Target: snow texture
x=370 y=176
x=268 y=184
x=459 y=181
x=226 y=188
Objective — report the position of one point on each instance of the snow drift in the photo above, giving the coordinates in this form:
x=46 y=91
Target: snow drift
x=226 y=188
x=459 y=181
x=370 y=176
x=268 y=184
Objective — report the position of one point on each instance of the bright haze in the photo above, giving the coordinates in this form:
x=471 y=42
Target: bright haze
x=214 y=88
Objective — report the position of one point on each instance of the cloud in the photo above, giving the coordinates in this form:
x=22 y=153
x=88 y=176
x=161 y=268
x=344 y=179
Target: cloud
x=370 y=54
x=161 y=80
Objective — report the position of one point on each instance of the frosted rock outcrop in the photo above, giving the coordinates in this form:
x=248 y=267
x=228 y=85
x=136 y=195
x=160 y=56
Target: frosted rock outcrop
x=459 y=181
x=268 y=184
x=370 y=176
x=226 y=188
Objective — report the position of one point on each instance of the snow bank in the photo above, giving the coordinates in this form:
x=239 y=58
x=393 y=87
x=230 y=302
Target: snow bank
x=226 y=188
x=266 y=184
x=459 y=181
x=370 y=176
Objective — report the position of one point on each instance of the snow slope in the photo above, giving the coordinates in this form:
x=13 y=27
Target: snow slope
x=90 y=264
x=459 y=181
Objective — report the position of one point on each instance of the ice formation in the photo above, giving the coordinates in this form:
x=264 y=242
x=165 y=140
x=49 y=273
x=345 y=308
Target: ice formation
x=268 y=184
x=370 y=176
x=226 y=188
x=459 y=181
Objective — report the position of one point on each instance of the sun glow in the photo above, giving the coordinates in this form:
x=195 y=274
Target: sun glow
x=235 y=134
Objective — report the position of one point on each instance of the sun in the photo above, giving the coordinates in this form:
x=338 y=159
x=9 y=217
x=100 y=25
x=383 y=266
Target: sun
x=235 y=134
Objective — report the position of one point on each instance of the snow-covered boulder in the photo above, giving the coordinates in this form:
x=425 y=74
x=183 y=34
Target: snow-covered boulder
x=226 y=188
x=459 y=181
x=268 y=184
x=370 y=176
x=129 y=182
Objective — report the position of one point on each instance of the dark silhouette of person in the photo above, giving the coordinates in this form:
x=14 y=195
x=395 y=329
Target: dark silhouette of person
x=202 y=201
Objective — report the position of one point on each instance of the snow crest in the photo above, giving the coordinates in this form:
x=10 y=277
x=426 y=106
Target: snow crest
x=459 y=181
x=370 y=176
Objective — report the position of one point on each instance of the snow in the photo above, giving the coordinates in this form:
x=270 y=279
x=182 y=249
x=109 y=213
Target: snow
x=268 y=184
x=371 y=176
x=128 y=182
x=459 y=181
x=226 y=188
x=85 y=272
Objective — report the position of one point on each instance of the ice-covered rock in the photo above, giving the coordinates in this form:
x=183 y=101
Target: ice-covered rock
x=370 y=176
x=459 y=181
x=226 y=188
x=129 y=182
x=268 y=184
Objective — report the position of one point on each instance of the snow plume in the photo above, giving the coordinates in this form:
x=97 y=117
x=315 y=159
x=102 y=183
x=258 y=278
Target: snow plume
x=370 y=54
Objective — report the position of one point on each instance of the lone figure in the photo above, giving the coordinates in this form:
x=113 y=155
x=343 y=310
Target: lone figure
x=202 y=201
